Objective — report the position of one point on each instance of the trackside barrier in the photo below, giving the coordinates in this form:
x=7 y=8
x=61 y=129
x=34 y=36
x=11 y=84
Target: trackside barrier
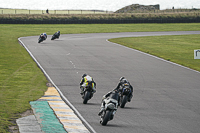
x=97 y=21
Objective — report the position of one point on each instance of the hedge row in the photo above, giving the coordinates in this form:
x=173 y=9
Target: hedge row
x=98 y=21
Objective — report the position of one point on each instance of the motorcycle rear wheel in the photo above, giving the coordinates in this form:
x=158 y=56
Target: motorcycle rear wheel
x=106 y=118
x=86 y=97
x=123 y=101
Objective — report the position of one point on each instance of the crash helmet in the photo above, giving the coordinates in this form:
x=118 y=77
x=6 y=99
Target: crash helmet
x=84 y=75
x=124 y=81
x=121 y=79
x=45 y=34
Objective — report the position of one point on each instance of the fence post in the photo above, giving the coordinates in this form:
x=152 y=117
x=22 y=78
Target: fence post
x=15 y=11
x=29 y=11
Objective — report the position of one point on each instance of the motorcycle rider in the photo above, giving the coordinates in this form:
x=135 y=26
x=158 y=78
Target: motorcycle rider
x=43 y=35
x=124 y=82
x=113 y=96
x=57 y=34
x=84 y=82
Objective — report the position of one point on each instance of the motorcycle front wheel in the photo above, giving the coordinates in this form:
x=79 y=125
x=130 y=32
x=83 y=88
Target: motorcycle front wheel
x=40 y=40
x=53 y=37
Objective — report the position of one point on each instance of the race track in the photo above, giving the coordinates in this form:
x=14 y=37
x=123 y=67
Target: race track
x=166 y=95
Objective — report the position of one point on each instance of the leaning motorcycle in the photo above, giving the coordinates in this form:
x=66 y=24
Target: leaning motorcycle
x=55 y=36
x=87 y=93
x=41 y=39
x=126 y=92
x=108 y=113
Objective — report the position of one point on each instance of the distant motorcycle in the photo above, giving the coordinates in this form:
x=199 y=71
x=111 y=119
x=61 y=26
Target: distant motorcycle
x=40 y=40
x=108 y=113
x=87 y=93
x=126 y=91
x=42 y=37
x=55 y=35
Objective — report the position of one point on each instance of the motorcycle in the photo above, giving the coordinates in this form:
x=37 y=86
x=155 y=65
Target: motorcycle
x=87 y=93
x=55 y=36
x=110 y=110
x=126 y=91
x=41 y=39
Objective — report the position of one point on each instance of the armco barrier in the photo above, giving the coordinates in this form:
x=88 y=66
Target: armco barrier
x=98 y=21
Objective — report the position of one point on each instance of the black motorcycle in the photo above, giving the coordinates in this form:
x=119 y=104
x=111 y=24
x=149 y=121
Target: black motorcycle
x=126 y=92
x=55 y=36
x=108 y=113
x=87 y=93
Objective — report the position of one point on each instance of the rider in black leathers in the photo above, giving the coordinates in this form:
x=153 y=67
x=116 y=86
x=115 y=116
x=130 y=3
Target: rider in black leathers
x=43 y=35
x=57 y=34
x=122 y=83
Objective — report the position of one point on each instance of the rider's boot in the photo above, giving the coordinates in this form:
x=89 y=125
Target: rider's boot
x=82 y=90
x=101 y=111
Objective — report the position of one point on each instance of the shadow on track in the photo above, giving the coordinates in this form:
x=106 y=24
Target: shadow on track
x=129 y=108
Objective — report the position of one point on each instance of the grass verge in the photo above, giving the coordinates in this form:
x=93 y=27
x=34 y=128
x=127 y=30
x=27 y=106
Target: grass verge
x=178 y=49
x=22 y=81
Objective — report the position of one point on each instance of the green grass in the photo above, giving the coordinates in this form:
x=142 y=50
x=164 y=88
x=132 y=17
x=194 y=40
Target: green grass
x=178 y=49
x=22 y=81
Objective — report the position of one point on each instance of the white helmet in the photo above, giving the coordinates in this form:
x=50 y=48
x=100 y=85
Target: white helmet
x=121 y=79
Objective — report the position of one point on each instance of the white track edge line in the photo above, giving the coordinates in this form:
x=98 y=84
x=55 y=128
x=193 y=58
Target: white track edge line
x=154 y=56
x=62 y=96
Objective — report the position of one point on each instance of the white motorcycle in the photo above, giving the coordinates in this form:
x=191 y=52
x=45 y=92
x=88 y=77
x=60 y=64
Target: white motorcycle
x=110 y=109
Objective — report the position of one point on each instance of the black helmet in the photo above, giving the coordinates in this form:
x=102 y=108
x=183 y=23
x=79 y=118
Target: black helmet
x=84 y=75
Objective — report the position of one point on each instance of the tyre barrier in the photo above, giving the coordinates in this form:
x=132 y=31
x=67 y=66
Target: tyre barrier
x=98 y=21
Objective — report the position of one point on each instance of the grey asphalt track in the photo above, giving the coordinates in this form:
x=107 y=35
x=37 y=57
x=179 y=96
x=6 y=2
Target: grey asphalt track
x=166 y=95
